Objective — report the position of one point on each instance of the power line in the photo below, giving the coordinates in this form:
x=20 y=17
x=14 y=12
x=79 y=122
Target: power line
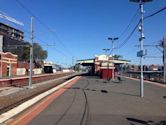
x=128 y=38
x=48 y=45
x=148 y=45
x=36 y=37
x=45 y=43
x=61 y=52
x=52 y=46
x=43 y=24
x=155 y=13
x=28 y=32
x=153 y=57
x=128 y=27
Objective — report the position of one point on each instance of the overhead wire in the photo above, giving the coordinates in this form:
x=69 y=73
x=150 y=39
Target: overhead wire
x=130 y=23
x=43 y=24
x=128 y=37
x=151 y=15
x=124 y=31
x=46 y=44
x=128 y=27
x=52 y=46
x=36 y=37
x=146 y=17
x=155 y=13
x=153 y=57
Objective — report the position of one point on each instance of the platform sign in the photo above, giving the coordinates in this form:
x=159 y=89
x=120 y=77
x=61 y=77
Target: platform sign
x=142 y=53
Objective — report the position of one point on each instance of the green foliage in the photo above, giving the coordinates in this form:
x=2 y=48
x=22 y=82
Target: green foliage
x=117 y=56
x=24 y=56
x=38 y=52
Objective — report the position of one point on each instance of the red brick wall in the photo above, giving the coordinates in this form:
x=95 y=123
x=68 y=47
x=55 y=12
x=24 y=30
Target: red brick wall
x=4 y=69
x=13 y=69
x=8 y=59
x=24 y=80
x=23 y=65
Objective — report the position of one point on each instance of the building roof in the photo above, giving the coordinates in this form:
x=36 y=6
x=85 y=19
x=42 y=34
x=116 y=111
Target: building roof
x=8 y=53
x=6 y=25
x=116 y=61
x=85 y=61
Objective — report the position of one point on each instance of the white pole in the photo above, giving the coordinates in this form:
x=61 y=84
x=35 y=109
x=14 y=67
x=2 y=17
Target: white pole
x=31 y=55
x=113 y=77
x=142 y=49
x=164 y=60
x=1 y=65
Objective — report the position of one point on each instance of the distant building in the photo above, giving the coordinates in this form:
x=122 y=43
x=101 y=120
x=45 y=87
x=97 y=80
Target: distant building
x=13 y=33
x=50 y=67
x=101 y=64
x=11 y=39
x=153 y=67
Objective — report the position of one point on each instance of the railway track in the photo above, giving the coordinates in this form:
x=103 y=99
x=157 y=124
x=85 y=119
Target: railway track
x=10 y=101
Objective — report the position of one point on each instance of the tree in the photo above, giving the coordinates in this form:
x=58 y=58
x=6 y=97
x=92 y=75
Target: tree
x=24 y=56
x=38 y=53
x=161 y=44
x=117 y=56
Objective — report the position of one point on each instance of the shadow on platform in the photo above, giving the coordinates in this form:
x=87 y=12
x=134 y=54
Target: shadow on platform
x=102 y=91
x=134 y=121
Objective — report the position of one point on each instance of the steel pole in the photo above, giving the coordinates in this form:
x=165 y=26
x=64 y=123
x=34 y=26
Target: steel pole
x=164 y=60
x=31 y=55
x=1 y=65
x=113 y=59
x=142 y=49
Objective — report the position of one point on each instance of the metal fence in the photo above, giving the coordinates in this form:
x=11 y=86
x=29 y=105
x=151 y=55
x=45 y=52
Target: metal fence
x=155 y=76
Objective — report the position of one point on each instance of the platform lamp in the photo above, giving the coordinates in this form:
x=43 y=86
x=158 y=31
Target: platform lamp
x=113 y=40
x=142 y=52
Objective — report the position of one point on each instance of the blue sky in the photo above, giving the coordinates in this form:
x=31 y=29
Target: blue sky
x=81 y=27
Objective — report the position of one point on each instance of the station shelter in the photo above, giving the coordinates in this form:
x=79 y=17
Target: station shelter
x=103 y=65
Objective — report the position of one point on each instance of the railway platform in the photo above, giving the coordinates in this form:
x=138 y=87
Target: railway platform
x=93 y=101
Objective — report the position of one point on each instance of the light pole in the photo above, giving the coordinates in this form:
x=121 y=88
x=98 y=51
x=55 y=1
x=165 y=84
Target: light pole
x=113 y=40
x=1 y=65
x=141 y=53
x=106 y=50
x=31 y=55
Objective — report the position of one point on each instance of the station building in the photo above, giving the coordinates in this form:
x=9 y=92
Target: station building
x=11 y=39
x=102 y=65
x=8 y=64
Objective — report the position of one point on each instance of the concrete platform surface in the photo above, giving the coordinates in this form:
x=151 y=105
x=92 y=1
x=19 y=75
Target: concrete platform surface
x=92 y=101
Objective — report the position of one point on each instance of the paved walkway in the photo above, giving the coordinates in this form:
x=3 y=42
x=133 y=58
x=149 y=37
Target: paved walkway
x=92 y=101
